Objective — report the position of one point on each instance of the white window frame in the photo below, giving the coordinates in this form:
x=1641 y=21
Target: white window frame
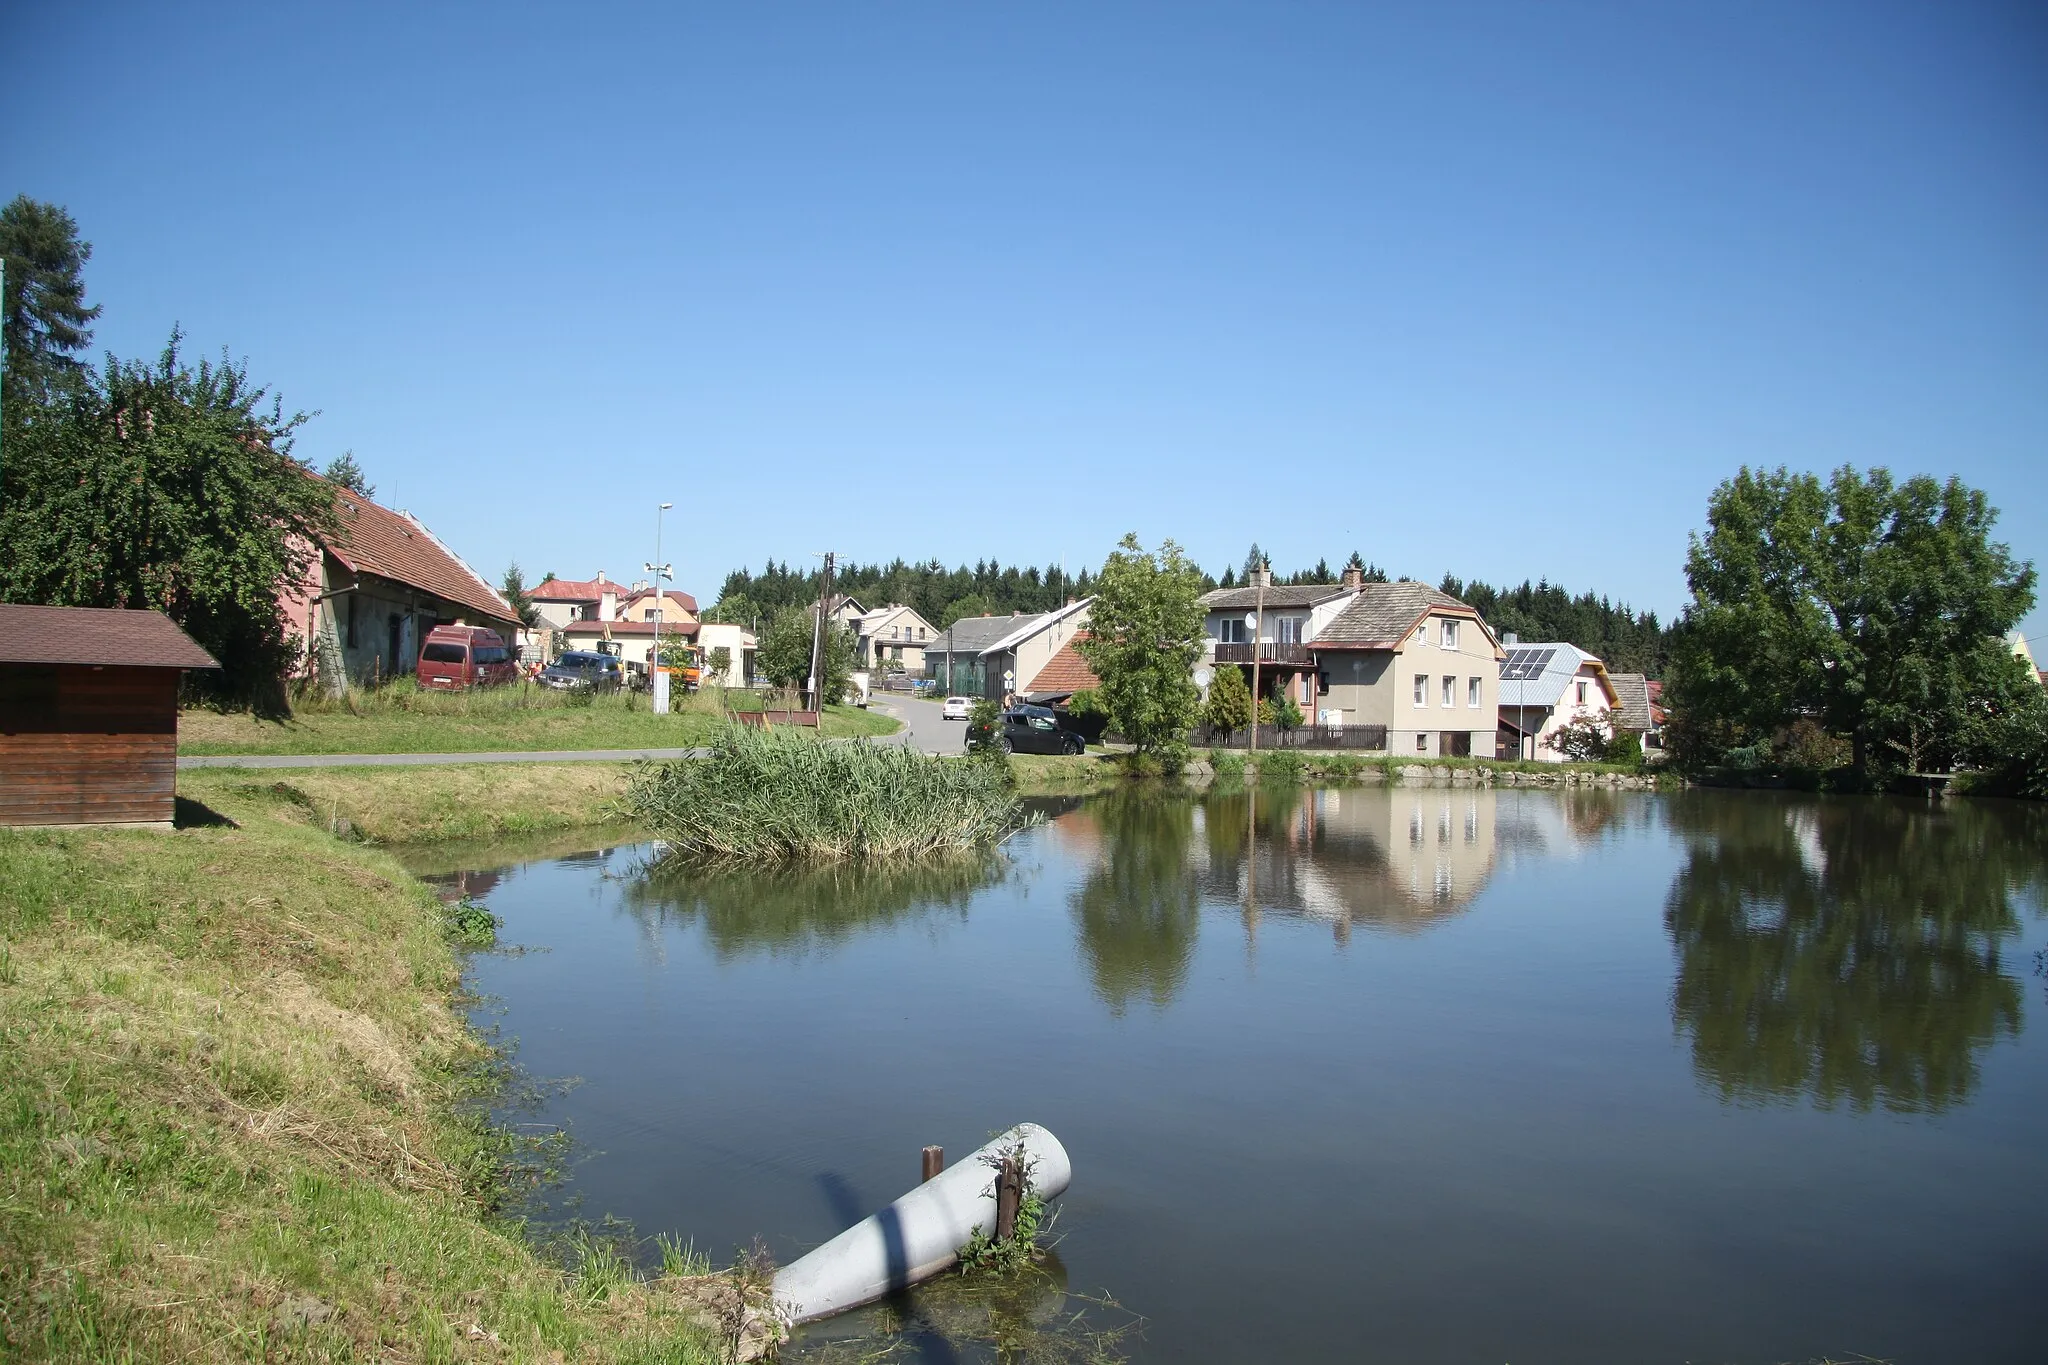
x=1450 y=691
x=1450 y=633
x=1582 y=691
x=1472 y=693
x=1421 y=691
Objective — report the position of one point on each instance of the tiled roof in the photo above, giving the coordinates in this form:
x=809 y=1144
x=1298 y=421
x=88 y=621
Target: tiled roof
x=574 y=590
x=599 y=628
x=398 y=546
x=96 y=635
x=1632 y=706
x=675 y=595
x=1066 y=671
x=1237 y=599
x=1382 y=614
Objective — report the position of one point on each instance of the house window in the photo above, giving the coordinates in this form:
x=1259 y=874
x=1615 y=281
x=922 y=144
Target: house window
x=1472 y=692
x=1322 y=684
x=1230 y=631
x=1422 y=744
x=920 y=632
x=1450 y=690
x=1289 y=632
x=1422 y=689
x=1450 y=635
x=1582 y=694
x=649 y=614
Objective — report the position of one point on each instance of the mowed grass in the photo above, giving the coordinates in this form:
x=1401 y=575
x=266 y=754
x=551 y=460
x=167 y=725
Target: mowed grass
x=233 y=1121
x=429 y=803
x=402 y=719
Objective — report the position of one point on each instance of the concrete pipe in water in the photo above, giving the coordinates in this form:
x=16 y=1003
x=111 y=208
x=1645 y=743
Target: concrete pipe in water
x=917 y=1236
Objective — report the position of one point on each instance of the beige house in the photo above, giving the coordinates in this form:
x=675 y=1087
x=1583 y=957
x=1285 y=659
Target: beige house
x=998 y=656
x=739 y=644
x=672 y=608
x=1402 y=656
x=561 y=600
x=894 y=634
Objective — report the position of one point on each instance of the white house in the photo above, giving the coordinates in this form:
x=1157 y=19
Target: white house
x=1543 y=689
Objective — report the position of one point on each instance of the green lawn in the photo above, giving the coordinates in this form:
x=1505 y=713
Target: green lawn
x=403 y=720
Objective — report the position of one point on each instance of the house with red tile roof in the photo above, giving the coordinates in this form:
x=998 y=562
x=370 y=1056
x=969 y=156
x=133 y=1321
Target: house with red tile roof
x=375 y=586
x=1064 y=674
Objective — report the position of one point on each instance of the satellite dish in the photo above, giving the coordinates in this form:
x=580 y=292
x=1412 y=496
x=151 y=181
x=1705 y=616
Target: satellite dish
x=1251 y=620
x=1203 y=677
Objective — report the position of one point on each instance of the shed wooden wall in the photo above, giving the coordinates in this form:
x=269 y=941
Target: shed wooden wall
x=85 y=745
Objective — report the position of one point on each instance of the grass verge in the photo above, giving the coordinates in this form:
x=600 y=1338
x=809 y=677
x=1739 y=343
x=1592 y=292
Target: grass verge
x=414 y=805
x=237 y=1116
x=405 y=720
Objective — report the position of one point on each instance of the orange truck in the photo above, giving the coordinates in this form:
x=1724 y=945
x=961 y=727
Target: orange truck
x=689 y=671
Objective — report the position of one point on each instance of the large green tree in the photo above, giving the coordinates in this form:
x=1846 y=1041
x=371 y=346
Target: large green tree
x=1878 y=607
x=1229 y=706
x=1144 y=635
x=48 y=321
x=512 y=588
x=168 y=486
x=784 y=656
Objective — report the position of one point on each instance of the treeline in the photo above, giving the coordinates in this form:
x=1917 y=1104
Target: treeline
x=940 y=595
x=1627 y=641
x=155 y=484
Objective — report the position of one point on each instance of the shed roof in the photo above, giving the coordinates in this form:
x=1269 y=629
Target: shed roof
x=972 y=634
x=1632 y=704
x=1382 y=615
x=1066 y=671
x=97 y=635
x=398 y=546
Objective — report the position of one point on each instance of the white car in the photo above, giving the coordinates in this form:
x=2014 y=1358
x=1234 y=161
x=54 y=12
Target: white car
x=956 y=708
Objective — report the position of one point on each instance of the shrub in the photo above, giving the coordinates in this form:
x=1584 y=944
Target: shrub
x=773 y=794
x=984 y=722
x=1626 y=747
x=1584 y=740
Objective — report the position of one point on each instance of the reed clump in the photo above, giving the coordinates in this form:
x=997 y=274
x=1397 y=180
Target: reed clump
x=776 y=795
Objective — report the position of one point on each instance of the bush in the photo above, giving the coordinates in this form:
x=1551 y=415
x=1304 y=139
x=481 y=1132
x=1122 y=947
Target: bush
x=1626 y=748
x=984 y=726
x=1584 y=740
x=773 y=794
x=1227 y=763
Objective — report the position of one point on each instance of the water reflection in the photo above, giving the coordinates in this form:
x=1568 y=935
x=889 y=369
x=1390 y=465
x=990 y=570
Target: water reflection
x=1847 y=951
x=1139 y=910
x=1397 y=860
x=789 y=911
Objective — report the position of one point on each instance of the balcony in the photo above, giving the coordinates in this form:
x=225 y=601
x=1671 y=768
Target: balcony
x=1271 y=652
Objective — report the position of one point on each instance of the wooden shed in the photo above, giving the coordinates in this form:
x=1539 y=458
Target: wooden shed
x=89 y=715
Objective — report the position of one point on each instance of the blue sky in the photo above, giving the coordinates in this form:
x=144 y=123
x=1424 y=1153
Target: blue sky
x=1497 y=290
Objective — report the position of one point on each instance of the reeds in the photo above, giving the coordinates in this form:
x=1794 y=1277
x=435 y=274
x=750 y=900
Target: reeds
x=776 y=795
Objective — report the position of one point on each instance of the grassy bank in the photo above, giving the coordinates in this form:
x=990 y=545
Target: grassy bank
x=233 y=1123
x=401 y=719
x=412 y=805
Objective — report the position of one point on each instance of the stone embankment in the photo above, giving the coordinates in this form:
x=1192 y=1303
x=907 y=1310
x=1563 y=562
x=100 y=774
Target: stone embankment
x=1445 y=775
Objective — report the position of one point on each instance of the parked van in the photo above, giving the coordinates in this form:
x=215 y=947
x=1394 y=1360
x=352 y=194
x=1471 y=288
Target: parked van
x=465 y=656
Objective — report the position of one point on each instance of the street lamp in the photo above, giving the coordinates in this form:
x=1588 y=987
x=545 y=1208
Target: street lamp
x=660 y=571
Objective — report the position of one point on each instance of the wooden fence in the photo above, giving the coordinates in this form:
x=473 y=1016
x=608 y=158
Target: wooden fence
x=1370 y=737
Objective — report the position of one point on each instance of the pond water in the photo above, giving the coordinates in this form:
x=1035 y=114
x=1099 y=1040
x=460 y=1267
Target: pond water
x=1390 y=1075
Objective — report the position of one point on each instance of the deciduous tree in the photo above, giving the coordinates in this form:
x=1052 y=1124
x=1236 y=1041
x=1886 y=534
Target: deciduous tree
x=1878 y=607
x=1145 y=633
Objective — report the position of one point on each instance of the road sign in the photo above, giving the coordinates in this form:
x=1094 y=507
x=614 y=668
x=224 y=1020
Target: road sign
x=1008 y=677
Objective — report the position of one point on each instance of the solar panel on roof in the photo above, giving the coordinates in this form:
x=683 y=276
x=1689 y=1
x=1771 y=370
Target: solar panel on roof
x=1525 y=665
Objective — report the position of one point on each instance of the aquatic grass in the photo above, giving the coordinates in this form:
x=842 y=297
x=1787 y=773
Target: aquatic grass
x=776 y=795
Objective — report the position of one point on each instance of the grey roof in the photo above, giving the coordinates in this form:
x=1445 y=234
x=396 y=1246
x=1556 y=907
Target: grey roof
x=1633 y=710
x=1236 y=599
x=973 y=634
x=1028 y=626
x=1382 y=614
x=1547 y=688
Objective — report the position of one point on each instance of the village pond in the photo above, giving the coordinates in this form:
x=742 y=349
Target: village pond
x=1381 y=1074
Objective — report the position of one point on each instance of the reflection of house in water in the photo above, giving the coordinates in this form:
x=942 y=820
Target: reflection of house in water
x=1395 y=859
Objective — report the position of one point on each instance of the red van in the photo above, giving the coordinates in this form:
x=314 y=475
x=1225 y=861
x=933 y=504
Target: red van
x=465 y=656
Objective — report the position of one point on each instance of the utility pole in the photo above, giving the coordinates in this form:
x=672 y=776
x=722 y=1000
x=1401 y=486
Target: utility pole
x=818 y=645
x=1263 y=571
x=656 y=678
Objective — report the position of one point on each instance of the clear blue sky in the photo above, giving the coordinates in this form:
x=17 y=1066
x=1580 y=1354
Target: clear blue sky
x=1499 y=290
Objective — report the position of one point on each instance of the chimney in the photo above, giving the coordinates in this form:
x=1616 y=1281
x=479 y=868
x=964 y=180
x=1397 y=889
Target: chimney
x=1354 y=579
x=1511 y=639
x=600 y=575
x=1261 y=577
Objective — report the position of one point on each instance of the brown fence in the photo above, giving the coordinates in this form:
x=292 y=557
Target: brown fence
x=762 y=719
x=1372 y=737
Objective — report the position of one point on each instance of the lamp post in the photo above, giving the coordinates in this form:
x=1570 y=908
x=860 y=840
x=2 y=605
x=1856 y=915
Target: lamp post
x=1258 y=625
x=660 y=571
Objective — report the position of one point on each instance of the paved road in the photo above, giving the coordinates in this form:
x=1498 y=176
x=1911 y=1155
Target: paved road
x=410 y=760
x=922 y=726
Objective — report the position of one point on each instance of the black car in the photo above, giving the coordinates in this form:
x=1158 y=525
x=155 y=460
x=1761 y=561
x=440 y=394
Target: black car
x=1037 y=730
x=579 y=668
